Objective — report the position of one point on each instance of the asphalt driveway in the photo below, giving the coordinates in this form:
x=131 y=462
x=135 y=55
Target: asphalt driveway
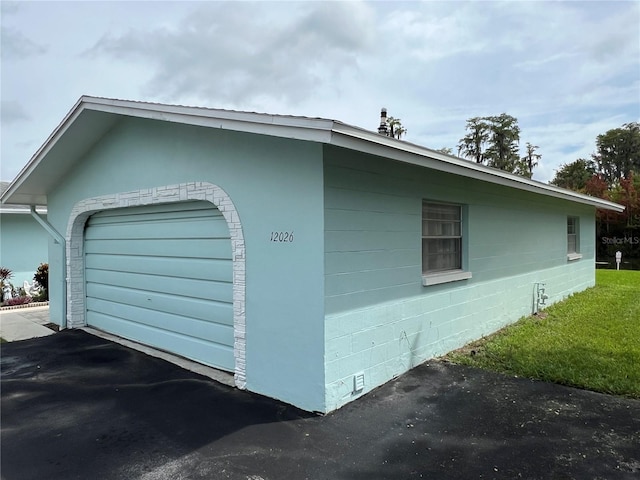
x=75 y=406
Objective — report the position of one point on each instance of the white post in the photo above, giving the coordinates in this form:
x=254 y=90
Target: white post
x=618 y=259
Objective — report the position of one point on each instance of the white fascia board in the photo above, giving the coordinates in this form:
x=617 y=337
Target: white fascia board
x=21 y=210
x=380 y=145
x=299 y=128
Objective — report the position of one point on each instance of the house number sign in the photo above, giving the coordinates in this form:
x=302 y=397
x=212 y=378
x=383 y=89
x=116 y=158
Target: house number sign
x=282 y=237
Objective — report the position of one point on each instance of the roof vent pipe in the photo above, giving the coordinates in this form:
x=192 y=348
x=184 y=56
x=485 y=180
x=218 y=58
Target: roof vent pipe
x=383 y=129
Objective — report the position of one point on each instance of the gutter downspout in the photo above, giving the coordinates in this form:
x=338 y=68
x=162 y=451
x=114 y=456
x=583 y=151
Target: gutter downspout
x=58 y=239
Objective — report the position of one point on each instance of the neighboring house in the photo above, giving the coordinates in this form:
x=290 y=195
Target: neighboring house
x=23 y=243
x=312 y=259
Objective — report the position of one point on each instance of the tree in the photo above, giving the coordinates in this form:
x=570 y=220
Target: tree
x=613 y=174
x=627 y=194
x=504 y=138
x=528 y=162
x=625 y=224
x=42 y=275
x=618 y=152
x=574 y=175
x=445 y=150
x=396 y=130
x=597 y=186
x=472 y=145
x=494 y=141
x=5 y=275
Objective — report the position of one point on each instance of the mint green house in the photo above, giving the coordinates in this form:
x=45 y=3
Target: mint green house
x=311 y=259
x=23 y=243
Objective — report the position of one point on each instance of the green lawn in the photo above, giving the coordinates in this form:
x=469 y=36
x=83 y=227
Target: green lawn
x=591 y=340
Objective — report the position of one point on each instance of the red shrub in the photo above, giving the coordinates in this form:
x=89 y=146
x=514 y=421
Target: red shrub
x=17 y=301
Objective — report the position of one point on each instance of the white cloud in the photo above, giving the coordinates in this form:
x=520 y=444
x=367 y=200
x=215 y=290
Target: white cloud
x=15 y=46
x=567 y=70
x=425 y=36
x=228 y=52
x=12 y=112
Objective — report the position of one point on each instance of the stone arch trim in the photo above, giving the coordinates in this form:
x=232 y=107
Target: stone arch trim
x=157 y=195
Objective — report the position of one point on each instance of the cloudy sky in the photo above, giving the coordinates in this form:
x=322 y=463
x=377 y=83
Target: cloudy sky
x=567 y=71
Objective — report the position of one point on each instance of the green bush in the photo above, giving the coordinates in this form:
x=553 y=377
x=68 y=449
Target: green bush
x=42 y=277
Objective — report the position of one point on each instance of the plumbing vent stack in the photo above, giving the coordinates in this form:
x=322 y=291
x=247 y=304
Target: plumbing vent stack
x=383 y=128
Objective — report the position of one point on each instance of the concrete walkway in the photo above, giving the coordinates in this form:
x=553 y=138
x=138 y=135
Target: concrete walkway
x=24 y=323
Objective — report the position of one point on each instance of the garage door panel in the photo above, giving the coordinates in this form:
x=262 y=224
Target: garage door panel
x=197 y=268
x=163 y=275
x=193 y=248
x=178 y=324
x=208 y=310
x=216 y=355
x=183 y=287
x=192 y=228
x=155 y=212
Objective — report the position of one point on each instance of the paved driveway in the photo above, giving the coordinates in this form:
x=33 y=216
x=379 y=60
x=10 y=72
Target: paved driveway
x=75 y=406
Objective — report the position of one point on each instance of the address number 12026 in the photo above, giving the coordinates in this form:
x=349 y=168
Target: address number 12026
x=281 y=237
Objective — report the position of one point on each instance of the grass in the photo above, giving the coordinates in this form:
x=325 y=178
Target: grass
x=591 y=340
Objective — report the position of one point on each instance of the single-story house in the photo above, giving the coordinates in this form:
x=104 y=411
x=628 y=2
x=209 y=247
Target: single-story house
x=23 y=242
x=312 y=259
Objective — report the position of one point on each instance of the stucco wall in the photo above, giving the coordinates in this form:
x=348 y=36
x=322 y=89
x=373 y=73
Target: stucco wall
x=276 y=186
x=23 y=246
x=380 y=319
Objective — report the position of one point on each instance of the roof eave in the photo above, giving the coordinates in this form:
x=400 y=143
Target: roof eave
x=300 y=128
x=381 y=145
x=37 y=157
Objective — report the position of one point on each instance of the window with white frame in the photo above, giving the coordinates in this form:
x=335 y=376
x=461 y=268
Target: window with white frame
x=441 y=237
x=573 y=239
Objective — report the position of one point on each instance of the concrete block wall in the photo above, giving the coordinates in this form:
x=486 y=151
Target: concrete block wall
x=388 y=339
x=379 y=318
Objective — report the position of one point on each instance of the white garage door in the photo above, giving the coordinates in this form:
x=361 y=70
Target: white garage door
x=162 y=275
